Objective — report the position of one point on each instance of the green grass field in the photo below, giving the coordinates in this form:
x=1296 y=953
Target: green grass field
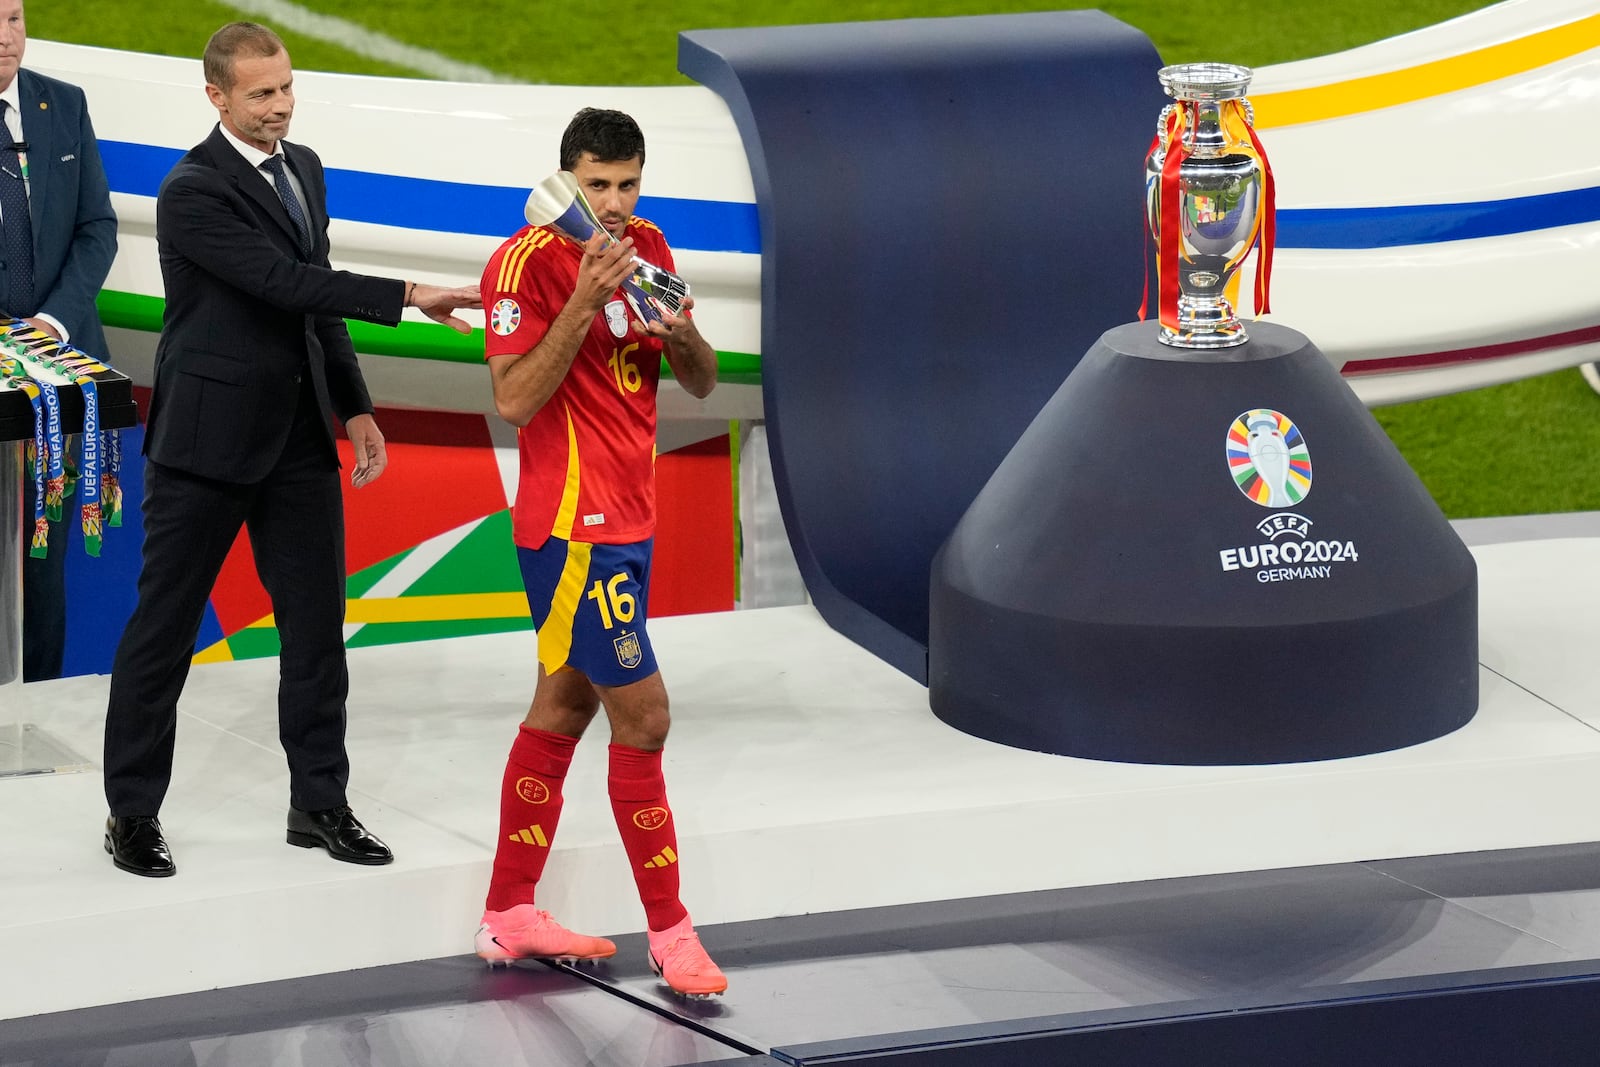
x=1506 y=450
x=637 y=45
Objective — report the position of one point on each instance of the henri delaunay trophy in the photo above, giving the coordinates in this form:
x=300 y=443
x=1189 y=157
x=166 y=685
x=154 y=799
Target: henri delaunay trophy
x=1209 y=196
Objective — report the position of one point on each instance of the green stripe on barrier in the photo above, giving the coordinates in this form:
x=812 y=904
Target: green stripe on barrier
x=130 y=311
x=409 y=340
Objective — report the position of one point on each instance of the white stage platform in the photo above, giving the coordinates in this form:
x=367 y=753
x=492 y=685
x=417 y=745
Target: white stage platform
x=806 y=776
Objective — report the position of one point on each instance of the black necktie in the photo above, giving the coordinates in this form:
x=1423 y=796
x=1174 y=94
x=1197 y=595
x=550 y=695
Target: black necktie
x=291 y=203
x=18 y=227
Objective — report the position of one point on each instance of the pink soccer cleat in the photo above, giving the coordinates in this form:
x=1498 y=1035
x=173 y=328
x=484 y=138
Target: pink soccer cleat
x=681 y=961
x=526 y=931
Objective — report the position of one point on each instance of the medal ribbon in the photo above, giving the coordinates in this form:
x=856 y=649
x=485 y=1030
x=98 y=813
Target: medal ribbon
x=80 y=367
x=89 y=482
x=55 y=480
x=17 y=378
x=112 y=488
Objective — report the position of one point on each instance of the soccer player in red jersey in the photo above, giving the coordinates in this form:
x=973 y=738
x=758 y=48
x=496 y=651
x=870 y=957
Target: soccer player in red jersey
x=576 y=369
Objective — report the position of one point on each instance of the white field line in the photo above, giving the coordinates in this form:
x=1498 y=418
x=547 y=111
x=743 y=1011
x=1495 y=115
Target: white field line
x=284 y=15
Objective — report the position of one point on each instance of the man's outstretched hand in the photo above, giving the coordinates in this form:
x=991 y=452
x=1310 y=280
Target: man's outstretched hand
x=439 y=303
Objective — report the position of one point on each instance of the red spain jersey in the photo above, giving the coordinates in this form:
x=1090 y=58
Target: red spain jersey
x=587 y=458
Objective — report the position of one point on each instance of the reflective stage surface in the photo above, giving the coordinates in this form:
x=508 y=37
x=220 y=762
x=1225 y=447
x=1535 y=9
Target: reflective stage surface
x=857 y=868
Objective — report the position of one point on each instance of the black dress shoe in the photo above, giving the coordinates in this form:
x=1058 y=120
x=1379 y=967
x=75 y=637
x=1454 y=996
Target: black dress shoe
x=340 y=832
x=136 y=845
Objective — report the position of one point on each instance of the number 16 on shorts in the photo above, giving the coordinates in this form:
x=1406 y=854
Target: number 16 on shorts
x=589 y=604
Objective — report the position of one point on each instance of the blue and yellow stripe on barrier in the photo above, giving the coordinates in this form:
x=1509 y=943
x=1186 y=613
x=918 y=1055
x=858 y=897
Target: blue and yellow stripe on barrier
x=1466 y=71
x=725 y=226
x=453 y=207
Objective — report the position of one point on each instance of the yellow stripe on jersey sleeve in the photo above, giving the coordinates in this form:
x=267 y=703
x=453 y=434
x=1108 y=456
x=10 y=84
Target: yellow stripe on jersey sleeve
x=511 y=262
x=516 y=259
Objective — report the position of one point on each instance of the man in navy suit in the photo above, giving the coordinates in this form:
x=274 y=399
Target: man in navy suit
x=253 y=363
x=73 y=240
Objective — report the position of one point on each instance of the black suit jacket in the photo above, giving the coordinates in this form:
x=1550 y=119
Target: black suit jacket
x=248 y=313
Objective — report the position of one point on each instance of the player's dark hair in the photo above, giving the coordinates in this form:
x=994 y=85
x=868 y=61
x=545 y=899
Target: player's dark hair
x=232 y=41
x=609 y=136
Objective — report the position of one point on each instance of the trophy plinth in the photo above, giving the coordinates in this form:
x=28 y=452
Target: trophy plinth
x=1274 y=585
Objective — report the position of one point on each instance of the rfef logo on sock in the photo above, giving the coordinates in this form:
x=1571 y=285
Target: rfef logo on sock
x=651 y=818
x=532 y=790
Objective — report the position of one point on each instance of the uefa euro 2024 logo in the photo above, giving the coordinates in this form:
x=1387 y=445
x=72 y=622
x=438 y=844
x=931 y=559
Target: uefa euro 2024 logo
x=1268 y=459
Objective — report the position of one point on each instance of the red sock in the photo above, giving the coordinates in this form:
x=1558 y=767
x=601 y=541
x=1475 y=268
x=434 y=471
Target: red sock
x=639 y=802
x=530 y=807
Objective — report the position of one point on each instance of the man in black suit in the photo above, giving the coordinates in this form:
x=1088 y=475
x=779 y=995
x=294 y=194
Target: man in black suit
x=253 y=362
x=53 y=259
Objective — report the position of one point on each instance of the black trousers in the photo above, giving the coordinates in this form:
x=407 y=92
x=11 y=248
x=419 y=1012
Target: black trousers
x=295 y=517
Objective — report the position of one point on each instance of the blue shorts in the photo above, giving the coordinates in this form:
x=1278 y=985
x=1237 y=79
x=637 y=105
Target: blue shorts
x=588 y=604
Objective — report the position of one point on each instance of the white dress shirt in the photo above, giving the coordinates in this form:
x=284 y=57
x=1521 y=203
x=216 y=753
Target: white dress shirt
x=255 y=157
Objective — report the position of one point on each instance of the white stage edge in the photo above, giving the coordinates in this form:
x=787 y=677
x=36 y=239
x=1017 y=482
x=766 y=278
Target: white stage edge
x=805 y=775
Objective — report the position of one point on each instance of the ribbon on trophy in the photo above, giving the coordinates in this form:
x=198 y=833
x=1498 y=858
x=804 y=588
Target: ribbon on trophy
x=101 y=489
x=1174 y=144
x=1169 y=244
x=1168 y=139
x=1237 y=118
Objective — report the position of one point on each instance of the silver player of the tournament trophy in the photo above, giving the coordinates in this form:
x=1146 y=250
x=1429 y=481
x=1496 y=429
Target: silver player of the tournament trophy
x=558 y=204
x=1208 y=197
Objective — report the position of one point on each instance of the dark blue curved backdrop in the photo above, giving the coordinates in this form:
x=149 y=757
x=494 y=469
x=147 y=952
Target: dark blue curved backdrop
x=950 y=215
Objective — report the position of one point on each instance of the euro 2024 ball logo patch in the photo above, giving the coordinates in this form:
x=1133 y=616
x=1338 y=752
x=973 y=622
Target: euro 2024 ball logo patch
x=505 y=316
x=1268 y=459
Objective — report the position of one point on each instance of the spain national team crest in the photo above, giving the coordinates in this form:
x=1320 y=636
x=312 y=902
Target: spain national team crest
x=505 y=316
x=532 y=790
x=628 y=651
x=617 y=318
